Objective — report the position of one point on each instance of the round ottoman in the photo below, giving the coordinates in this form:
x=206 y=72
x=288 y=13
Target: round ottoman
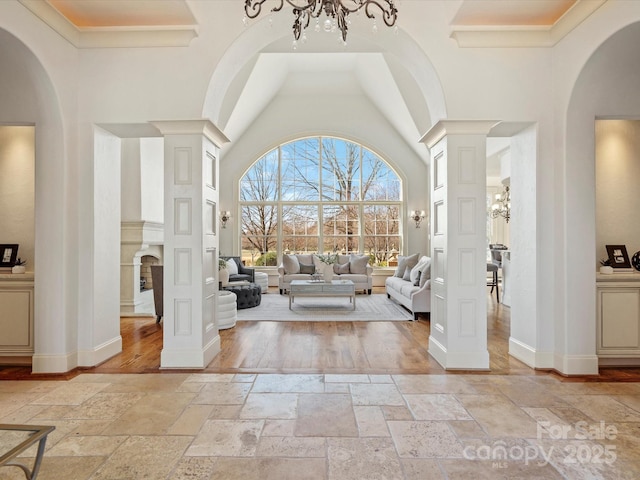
x=262 y=279
x=227 y=314
x=247 y=296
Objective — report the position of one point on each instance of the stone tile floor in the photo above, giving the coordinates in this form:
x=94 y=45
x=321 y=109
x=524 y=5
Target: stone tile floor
x=269 y=426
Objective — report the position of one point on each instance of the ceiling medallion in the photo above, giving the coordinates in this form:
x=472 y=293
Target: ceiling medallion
x=336 y=11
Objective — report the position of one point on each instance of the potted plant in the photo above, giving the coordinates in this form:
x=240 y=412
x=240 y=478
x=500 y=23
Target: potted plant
x=223 y=273
x=19 y=266
x=605 y=266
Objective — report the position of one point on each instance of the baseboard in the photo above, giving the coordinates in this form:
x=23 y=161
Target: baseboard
x=576 y=364
x=458 y=360
x=54 y=363
x=190 y=357
x=91 y=358
x=529 y=355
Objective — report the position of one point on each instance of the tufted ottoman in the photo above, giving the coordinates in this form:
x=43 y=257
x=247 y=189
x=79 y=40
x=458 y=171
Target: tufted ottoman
x=247 y=296
x=262 y=279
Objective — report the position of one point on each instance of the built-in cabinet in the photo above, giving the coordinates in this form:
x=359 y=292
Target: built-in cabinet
x=16 y=318
x=618 y=318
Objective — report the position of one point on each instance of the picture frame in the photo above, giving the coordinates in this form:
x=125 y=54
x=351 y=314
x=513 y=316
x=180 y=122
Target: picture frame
x=8 y=254
x=618 y=256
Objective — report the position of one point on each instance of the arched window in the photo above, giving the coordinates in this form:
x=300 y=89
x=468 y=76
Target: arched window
x=319 y=194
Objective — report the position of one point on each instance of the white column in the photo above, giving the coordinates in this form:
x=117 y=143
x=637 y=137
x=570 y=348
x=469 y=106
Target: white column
x=458 y=337
x=190 y=328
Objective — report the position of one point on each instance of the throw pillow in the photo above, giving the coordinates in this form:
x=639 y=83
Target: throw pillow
x=407 y=274
x=310 y=269
x=404 y=263
x=232 y=266
x=358 y=264
x=426 y=274
x=341 y=269
x=417 y=270
x=291 y=264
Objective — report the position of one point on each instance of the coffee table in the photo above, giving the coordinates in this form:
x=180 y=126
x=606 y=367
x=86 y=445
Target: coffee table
x=311 y=288
x=15 y=439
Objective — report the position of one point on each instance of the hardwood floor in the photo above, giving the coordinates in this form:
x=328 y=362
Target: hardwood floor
x=316 y=347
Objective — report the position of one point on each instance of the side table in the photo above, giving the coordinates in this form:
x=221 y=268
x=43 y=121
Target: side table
x=227 y=311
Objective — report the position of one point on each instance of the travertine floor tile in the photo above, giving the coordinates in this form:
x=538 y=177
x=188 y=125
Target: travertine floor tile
x=603 y=408
x=270 y=405
x=307 y=447
x=273 y=383
x=326 y=414
x=349 y=378
x=436 y=407
x=432 y=384
x=143 y=457
x=104 y=406
x=86 y=446
x=376 y=394
x=497 y=470
x=190 y=421
x=498 y=416
x=57 y=468
x=279 y=428
x=363 y=458
x=371 y=421
x=194 y=468
x=153 y=414
x=267 y=468
x=223 y=393
x=70 y=394
x=422 y=469
x=227 y=438
x=425 y=440
x=466 y=429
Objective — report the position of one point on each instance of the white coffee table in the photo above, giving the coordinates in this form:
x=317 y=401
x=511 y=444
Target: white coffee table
x=308 y=288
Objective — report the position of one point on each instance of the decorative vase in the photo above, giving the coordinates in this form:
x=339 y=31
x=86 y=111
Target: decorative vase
x=18 y=269
x=327 y=274
x=606 y=270
x=223 y=277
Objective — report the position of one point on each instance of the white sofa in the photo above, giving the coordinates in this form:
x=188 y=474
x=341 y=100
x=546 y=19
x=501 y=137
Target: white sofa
x=288 y=271
x=403 y=289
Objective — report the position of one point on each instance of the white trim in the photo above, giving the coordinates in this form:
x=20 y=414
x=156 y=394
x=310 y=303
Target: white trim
x=458 y=360
x=576 y=364
x=529 y=356
x=91 y=358
x=54 y=363
x=190 y=358
x=112 y=37
x=509 y=36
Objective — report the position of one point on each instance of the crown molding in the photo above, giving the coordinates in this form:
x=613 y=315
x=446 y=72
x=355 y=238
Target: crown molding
x=510 y=36
x=112 y=37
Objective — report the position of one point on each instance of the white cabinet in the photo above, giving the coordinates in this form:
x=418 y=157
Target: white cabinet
x=618 y=319
x=16 y=318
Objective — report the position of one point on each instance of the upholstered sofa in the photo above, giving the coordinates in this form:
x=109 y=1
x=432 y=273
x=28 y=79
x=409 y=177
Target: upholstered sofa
x=410 y=284
x=347 y=267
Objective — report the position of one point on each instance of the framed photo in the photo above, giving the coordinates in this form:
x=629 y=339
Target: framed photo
x=618 y=256
x=8 y=254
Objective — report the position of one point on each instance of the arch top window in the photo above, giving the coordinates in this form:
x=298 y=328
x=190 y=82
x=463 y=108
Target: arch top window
x=320 y=194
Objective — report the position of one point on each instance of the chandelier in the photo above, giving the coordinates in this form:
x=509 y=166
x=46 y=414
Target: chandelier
x=502 y=205
x=336 y=11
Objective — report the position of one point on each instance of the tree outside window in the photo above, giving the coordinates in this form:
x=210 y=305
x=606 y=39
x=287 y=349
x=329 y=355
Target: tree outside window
x=319 y=194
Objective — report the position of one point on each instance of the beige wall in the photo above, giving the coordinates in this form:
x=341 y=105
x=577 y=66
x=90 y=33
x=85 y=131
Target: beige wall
x=17 y=184
x=617 y=185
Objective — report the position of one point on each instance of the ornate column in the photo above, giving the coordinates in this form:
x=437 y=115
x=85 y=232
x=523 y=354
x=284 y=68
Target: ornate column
x=191 y=167
x=458 y=180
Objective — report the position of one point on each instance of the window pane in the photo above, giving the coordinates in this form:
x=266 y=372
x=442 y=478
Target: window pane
x=341 y=228
x=260 y=183
x=340 y=170
x=300 y=228
x=381 y=226
x=300 y=170
x=380 y=182
x=259 y=228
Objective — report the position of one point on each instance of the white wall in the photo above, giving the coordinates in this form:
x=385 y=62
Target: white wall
x=142 y=179
x=617 y=189
x=17 y=190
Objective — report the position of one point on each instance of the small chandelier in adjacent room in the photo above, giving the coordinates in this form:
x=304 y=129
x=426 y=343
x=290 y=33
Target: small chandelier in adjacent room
x=336 y=11
x=502 y=205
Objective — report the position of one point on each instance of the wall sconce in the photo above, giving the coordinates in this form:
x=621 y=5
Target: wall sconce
x=417 y=216
x=224 y=218
x=502 y=205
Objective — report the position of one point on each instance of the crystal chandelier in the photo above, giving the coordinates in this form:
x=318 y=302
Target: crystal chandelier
x=336 y=11
x=502 y=206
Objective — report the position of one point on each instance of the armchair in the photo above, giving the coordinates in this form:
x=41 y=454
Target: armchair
x=244 y=273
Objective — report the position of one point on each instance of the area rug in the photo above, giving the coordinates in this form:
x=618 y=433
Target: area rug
x=376 y=307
